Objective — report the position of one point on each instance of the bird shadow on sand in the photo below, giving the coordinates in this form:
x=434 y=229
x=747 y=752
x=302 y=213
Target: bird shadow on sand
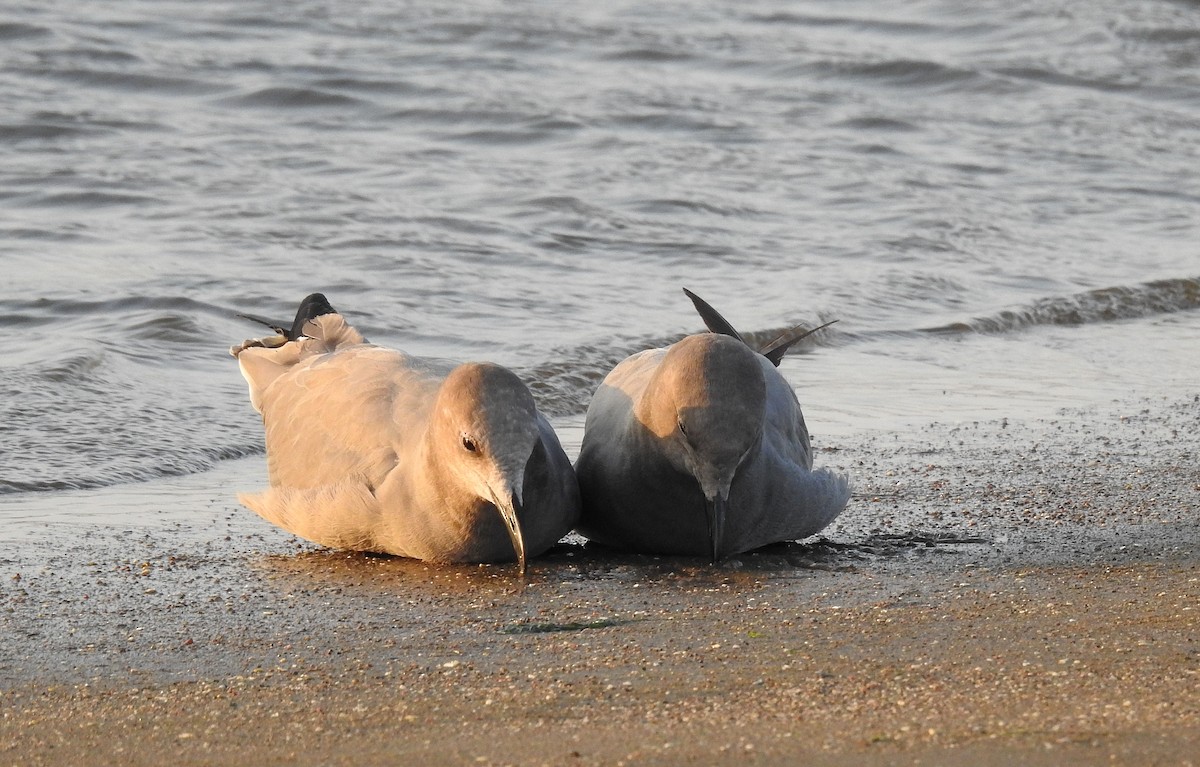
x=574 y=560
x=778 y=559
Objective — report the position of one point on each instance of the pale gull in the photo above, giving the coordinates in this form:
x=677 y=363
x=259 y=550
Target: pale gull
x=701 y=449
x=372 y=449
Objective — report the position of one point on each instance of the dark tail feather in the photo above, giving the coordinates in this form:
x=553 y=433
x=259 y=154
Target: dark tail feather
x=272 y=324
x=775 y=350
x=712 y=318
x=311 y=307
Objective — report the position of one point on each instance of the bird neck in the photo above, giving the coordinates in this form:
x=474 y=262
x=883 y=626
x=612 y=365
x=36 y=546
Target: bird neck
x=657 y=411
x=437 y=512
x=440 y=463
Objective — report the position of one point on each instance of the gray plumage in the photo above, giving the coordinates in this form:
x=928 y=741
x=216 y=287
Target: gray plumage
x=372 y=449
x=701 y=448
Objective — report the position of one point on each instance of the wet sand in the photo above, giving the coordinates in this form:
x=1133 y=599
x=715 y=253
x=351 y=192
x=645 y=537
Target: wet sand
x=998 y=592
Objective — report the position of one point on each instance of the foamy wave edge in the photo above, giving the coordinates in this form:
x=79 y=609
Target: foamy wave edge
x=1122 y=302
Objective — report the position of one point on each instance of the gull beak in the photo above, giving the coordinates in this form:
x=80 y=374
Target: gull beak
x=714 y=510
x=512 y=525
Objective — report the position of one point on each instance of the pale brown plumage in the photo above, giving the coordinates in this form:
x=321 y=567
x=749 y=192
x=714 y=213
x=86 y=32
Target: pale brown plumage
x=372 y=449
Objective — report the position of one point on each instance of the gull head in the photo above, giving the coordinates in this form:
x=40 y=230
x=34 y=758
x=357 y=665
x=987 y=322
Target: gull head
x=711 y=402
x=487 y=430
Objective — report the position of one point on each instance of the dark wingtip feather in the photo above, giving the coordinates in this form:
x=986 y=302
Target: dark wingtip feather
x=272 y=324
x=775 y=350
x=314 y=305
x=712 y=318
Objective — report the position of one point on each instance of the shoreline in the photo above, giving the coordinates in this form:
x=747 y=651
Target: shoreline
x=997 y=592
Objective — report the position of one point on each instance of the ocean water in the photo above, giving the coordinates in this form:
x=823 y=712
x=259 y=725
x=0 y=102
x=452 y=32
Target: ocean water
x=999 y=202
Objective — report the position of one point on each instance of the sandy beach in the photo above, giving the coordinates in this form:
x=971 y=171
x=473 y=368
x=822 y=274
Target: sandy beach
x=998 y=592
x=997 y=205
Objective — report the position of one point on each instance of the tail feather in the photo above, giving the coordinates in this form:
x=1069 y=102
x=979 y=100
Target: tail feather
x=712 y=318
x=775 y=350
x=313 y=306
x=824 y=497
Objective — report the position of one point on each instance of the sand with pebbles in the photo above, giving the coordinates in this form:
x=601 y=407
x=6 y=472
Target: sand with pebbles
x=998 y=592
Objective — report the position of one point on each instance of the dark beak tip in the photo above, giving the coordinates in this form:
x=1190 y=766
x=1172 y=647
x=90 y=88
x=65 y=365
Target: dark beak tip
x=516 y=535
x=716 y=511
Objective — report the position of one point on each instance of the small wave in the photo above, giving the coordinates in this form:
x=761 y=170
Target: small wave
x=193 y=463
x=455 y=31
x=877 y=123
x=557 y=124
x=22 y=320
x=293 y=98
x=389 y=87
x=660 y=206
x=1181 y=194
x=98 y=54
x=976 y=169
x=495 y=137
x=168 y=328
x=1050 y=77
x=133 y=81
x=50 y=123
x=82 y=416
x=565 y=387
x=902 y=72
x=122 y=304
x=581 y=213
x=1167 y=35
x=40 y=131
x=86 y=199
x=45 y=235
x=648 y=55
x=152 y=318
x=674 y=121
x=868 y=24
x=19 y=31
x=72 y=369
x=265 y=21
x=468 y=117
x=1093 y=306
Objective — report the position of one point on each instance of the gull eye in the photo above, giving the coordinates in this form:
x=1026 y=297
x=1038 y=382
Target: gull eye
x=469 y=444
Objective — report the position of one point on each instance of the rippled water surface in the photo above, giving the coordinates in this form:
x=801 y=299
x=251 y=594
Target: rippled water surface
x=998 y=201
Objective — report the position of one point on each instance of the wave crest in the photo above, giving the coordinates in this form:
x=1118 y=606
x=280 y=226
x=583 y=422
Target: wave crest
x=1093 y=306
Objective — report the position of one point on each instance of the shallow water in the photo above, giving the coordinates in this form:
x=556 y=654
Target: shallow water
x=999 y=204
